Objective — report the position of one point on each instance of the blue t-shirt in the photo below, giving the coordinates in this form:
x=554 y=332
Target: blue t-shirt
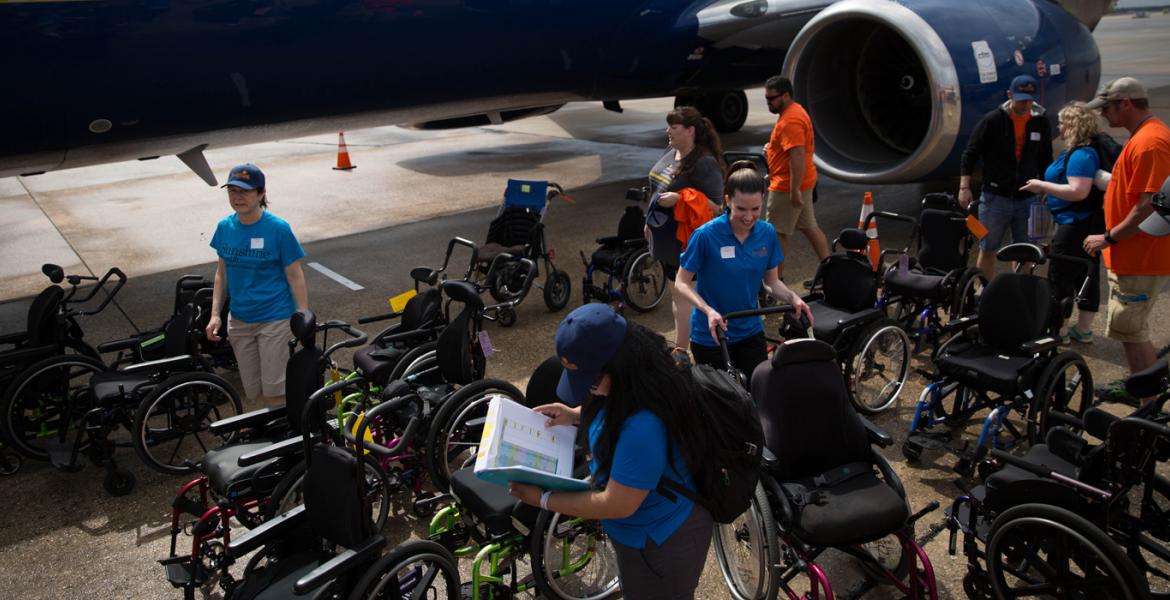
x=729 y=274
x=255 y=256
x=639 y=462
x=1083 y=163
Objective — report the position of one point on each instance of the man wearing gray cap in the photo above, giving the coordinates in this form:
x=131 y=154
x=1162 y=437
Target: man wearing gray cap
x=1138 y=263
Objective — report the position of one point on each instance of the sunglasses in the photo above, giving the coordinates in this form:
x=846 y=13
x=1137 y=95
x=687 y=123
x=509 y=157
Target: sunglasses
x=771 y=98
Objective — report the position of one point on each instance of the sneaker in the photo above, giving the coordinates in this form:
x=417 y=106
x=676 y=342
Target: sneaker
x=1083 y=337
x=1114 y=391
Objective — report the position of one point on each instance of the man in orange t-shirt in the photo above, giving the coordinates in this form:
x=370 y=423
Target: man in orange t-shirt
x=789 y=206
x=1139 y=264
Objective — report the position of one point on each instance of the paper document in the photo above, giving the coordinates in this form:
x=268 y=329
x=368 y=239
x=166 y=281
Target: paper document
x=516 y=446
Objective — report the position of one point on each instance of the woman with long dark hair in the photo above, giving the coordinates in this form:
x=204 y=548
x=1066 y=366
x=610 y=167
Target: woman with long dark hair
x=692 y=160
x=642 y=417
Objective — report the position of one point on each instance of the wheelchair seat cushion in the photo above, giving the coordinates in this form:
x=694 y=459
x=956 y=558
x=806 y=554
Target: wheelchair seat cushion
x=276 y=581
x=858 y=510
x=982 y=367
x=915 y=285
x=491 y=504
x=376 y=364
x=606 y=258
x=110 y=385
x=223 y=470
x=829 y=321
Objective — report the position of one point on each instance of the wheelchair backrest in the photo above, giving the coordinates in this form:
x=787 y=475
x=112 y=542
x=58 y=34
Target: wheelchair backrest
x=337 y=510
x=542 y=386
x=1014 y=309
x=848 y=281
x=177 y=338
x=422 y=310
x=526 y=194
x=515 y=226
x=458 y=350
x=942 y=240
x=631 y=223
x=809 y=423
x=304 y=372
x=42 y=316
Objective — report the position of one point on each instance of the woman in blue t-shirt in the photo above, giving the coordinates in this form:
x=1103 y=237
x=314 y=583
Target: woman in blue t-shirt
x=729 y=257
x=642 y=418
x=260 y=269
x=1077 y=210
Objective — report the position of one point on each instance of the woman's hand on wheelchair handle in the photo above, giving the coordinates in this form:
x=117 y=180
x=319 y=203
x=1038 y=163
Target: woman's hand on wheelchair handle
x=715 y=321
x=559 y=414
x=212 y=330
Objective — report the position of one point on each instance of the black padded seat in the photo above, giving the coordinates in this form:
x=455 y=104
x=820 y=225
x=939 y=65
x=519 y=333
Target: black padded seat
x=489 y=251
x=858 y=510
x=376 y=364
x=491 y=504
x=277 y=581
x=1037 y=455
x=828 y=321
x=915 y=285
x=605 y=258
x=983 y=368
x=223 y=470
x=109 y=385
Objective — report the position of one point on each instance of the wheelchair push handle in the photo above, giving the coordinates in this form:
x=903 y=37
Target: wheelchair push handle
x=755 y=312
x=313 y=406
x=357 y=336
x=114 y=272
x=355 y=433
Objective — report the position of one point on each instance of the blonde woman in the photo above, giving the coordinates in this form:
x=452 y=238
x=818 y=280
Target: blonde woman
x=1076 y=207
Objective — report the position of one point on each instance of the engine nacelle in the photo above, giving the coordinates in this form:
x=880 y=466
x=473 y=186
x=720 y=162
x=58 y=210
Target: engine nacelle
x=895 y=88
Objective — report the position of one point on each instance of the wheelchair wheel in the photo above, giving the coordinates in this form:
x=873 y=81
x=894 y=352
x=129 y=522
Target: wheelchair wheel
x=572 y=559
x=10 y=462
x=49 y=395
x=289 y=493
x=118 y=482
x=416 y=569
x=419 y=362
x=508 y=282
x=967 y=293
x=643 y=283
x=748 y=551
x=171 y=425
x=557 y=289
x=1065 y=385
x=1045 y=551
x=878 y=366
x=455 y=431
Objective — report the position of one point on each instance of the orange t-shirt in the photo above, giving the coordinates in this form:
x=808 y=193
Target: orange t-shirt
x=1020 y=124
x=792 y=129
x=1141 y=168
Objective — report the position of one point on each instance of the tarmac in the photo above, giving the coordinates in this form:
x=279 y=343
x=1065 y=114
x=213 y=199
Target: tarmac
x=62 y=536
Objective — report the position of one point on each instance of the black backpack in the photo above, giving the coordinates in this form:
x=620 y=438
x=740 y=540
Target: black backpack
x=1107 y=150
x=725 y=482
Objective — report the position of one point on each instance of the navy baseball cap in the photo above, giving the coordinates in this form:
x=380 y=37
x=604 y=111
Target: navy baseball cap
x=1023 y=88
x=248 y=177
x=586 y=341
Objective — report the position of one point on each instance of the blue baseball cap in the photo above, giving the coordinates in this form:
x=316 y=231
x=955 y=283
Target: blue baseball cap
x=248 y=177
x=1023 y=88
x=586 y=340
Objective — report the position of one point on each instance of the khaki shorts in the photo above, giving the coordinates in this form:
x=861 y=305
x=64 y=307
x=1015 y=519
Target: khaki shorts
x=787 y=218
x=262 y=353
x=1131 y=300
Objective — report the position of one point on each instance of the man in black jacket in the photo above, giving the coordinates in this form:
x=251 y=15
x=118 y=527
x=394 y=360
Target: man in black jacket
x=1014 y=144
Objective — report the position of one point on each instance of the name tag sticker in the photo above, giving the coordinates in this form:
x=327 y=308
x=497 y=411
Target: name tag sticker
x=727 y=252
x=1035 y=136
x=257 y=243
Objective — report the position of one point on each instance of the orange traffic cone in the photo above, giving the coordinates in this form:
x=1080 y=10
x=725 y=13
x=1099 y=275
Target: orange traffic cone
x=343 y=163
x=875 y=250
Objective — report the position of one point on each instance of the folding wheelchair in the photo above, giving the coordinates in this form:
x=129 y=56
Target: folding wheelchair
x=918 y=289
x=1005 y=358
x=822 y=485
x=509 y=276
x=518 y=230
x=873 y=350
x=419 y=322
x=1072 y=518
x=633 y=277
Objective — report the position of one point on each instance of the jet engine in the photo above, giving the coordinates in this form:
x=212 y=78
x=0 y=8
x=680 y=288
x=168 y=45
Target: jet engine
x=895 y=88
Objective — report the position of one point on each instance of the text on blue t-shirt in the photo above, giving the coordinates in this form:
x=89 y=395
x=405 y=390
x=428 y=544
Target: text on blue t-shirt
x=255 y=256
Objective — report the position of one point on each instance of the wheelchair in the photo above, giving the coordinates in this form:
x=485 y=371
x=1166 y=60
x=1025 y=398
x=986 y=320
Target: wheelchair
x=633 y=277
x=68 y=406
x=510 y=277
x=419 y=322
x=330 y=546
x=918 y=289
x=822 y=485
x=1074 y=519
x=518 y=230
x=1005 y=358
x=873 y=350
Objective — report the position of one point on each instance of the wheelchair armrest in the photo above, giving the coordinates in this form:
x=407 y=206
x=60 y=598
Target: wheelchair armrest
x=1056 y=417
x=609 y=240
x=340 y=565
x=255 y=418
x=26 y=354
x=783 y=504
x=406 y=335
x=1043 y=344
x=889 y=475
x=961 y=324
x=376 y=318
x=876 y=434
x=634 y=243
x=162 y=364
x=265 y=532
x=814 y=297
x=15 y=339
x=118 y=345
x=287 y=447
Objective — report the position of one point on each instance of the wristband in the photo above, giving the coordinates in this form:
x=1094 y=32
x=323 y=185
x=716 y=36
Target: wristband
x=544 y=499
x=1109 y=238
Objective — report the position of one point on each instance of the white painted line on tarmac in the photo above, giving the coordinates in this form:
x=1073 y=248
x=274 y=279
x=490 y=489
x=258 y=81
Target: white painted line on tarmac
x=335 y=276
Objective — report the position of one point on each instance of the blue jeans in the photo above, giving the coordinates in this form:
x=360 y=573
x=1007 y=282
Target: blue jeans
x=999 y=214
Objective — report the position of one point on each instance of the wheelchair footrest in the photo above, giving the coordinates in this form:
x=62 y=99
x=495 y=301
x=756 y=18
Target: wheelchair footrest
x=62 y=457
x=189 y=506
x=929 y=440
x=179 y=572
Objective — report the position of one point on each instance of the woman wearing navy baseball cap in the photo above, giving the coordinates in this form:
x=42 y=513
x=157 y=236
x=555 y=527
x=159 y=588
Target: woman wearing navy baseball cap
x=641 y=412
